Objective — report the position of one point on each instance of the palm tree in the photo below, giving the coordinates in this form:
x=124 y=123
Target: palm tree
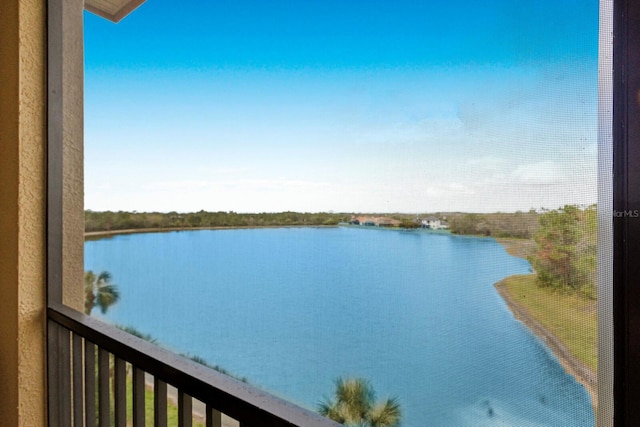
x=98 y=290
x=355 y=405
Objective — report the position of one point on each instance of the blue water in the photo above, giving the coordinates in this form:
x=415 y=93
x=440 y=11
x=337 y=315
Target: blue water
x=294 y=308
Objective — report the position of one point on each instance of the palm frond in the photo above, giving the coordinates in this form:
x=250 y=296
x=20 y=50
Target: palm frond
x=386 y=414
x=355 y=406
x=106 y=296
x=333 y=411
x=104 y=277
x=98 y=290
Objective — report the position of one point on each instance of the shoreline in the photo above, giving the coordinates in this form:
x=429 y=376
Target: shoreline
x=90 y=235
x=574 y=367
x=95 y=235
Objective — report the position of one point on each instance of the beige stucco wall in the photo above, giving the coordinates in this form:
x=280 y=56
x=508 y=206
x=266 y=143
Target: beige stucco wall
x=22 y=213
x=23 y=198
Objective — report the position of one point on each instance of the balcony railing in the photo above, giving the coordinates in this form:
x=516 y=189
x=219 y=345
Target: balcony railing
x=97 y=372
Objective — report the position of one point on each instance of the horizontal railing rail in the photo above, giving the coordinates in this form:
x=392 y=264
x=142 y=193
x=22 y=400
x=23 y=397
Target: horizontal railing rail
x=74 y=364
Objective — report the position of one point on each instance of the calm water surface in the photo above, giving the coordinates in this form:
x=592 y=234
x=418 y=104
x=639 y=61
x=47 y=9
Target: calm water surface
x=294 y=308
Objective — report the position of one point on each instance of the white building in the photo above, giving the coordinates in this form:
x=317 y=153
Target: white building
x=434 y=223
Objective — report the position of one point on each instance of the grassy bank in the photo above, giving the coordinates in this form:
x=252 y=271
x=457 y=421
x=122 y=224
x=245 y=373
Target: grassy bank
x=566 y=322
x=172 y=407
x=571 y=318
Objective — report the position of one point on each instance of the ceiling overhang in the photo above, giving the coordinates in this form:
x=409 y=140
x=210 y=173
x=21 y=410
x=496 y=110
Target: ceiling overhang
x=113 y=10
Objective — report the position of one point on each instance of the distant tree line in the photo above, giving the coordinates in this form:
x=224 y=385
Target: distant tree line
x=519 y=224
x=122 y=220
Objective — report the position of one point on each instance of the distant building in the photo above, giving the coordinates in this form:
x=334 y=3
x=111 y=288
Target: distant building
x=371 y=221
x=387 y=222
x=434 y=223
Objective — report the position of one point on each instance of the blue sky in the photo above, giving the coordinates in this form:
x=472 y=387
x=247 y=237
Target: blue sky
x=355 y=106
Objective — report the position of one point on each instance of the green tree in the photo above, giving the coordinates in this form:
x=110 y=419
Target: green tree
x=585 y=264
x=99 y=291
x=409 y=224
x=355 y=405
x=135 y=332
x=565 y=248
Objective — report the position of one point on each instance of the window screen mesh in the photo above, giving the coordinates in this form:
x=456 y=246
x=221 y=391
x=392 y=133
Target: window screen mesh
x=400 y=197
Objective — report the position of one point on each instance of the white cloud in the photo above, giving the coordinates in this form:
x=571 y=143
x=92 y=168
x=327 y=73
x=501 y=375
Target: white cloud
x=180 y=185
x=410 y=131
x=103 y=186
x=278 y=184
x=226 y=171
x=545 y=172
x=488 y=162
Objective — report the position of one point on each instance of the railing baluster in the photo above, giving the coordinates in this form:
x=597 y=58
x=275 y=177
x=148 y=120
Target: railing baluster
x=185 y=409
x=103 y=388
x=67 y=329
x=138 y=397
x=78 y=409
x=159 y=403
x=214 y=417
x=90 y=384
x=53 y=360
x=64 y=375
x=120 y=392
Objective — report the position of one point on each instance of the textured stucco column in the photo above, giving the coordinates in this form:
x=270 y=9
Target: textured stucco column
x=22 y=213
x=73 y=159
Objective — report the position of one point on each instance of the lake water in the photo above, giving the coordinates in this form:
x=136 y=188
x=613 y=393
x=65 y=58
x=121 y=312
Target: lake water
x=291 y=309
